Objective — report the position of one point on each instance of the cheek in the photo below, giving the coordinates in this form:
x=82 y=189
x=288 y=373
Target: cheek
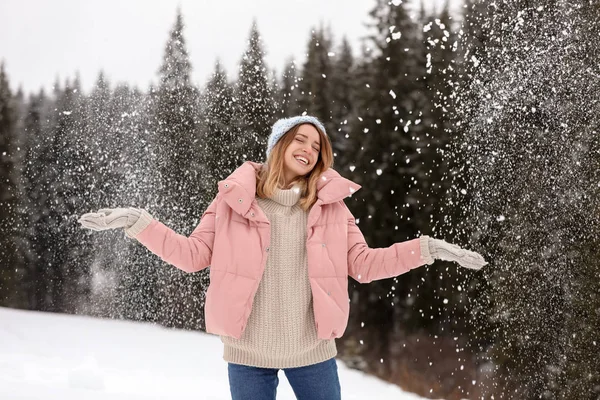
x=289 y=156
x=288 y=152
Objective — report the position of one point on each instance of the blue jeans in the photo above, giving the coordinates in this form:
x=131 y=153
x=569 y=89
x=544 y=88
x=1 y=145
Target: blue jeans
x=312 y=382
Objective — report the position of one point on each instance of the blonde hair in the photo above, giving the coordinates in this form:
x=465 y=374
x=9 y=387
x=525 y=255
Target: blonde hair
x=270 y=176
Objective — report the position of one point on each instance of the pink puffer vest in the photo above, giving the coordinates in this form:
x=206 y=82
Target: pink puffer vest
x=233 y=238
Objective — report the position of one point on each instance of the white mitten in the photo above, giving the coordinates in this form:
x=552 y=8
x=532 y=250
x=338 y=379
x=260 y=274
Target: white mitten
x=132 y=219
x=442 y=250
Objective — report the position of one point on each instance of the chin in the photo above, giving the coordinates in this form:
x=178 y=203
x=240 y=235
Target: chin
x=303 y=171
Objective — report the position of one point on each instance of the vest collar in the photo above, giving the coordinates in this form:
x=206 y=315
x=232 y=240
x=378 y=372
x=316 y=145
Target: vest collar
x=239 y=188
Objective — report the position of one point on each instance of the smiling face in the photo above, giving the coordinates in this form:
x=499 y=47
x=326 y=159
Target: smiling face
x=302 y=153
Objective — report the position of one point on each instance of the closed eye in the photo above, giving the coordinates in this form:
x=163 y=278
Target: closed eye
x=302 y=141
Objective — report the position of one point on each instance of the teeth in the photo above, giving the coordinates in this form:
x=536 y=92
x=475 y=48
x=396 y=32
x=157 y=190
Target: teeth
x=304 y=160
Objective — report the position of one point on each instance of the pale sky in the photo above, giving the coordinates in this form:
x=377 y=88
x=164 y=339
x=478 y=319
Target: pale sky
x=41 y=40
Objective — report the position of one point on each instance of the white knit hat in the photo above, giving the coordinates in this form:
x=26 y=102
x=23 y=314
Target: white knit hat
x=282 y=126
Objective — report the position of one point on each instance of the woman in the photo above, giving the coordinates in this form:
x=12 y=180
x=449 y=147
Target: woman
x=281 y=243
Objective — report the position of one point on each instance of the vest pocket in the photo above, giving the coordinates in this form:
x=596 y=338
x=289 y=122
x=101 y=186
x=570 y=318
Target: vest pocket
x=228 y=303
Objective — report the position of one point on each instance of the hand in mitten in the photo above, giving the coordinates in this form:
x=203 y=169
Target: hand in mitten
x=442 y=250
x=111 y=218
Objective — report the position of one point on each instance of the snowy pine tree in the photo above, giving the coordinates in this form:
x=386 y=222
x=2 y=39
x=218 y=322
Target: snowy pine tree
x=11 y=265
x=176 y=140
x=254 y=99
x=315 y=85
x=222 y=150
x=343 y=103
x=289 y=91
x=531 y=139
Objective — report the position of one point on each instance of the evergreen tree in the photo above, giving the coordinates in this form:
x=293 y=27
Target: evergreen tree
x=176 y=110
x=392 y=163
x=79 y=184
x=99 y=185
x=289 y=91
x=176 y=141
x=254 y=98
x=11 y=264
x=55 y=231
x=440 y=296
x=531 y=131
x=315 y=86
x=39 y=176
x=356 y=345
x=101 y=140
x=133 y=270
x=221 y=148
x=343 y=100
x=276 y=92
x=32 y=199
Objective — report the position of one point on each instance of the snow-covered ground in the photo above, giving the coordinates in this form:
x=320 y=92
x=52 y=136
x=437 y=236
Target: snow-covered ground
x=56 y=356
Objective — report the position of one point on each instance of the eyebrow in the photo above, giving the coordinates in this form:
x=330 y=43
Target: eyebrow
x=303 y=135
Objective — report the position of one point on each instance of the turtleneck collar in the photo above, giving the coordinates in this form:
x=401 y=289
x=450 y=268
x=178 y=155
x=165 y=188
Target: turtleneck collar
x=287 y=197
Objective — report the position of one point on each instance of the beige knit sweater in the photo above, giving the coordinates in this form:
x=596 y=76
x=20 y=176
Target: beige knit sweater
x=281 y=331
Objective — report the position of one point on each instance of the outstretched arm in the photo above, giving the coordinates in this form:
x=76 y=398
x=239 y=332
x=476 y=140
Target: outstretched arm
x=366 y=264
x=190 y=254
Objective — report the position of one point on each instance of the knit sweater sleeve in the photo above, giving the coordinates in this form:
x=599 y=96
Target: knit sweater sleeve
x=190 y=254
x=367 y=264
